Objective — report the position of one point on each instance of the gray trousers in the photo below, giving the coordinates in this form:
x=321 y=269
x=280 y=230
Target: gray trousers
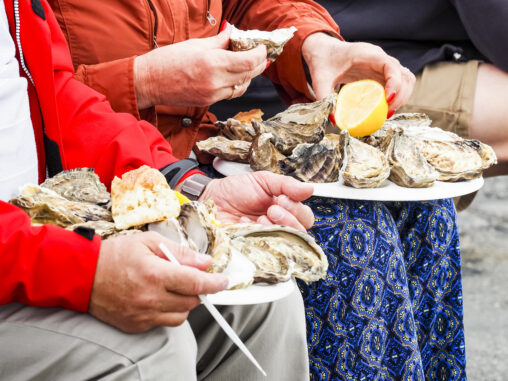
x=56 y=344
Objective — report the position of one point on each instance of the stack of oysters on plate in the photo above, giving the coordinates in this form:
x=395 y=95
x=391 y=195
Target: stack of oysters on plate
x=142 y=200
x=301 y=142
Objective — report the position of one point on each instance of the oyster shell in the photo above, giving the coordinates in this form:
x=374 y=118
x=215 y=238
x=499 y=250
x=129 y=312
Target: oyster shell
x=363 y=166
x=236 y=130
x=204 y=235
x=45 y=206
x=102 y=228
x=300 y=123
x=408 y=166
x=81 y=184
x=171 y=229
x=263 y=155
x=279 y=252
x=316 y=163
x=234 y=150
x=249 y=39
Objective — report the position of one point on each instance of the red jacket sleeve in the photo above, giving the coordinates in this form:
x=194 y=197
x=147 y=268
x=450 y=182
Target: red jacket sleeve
x=44 y=266
x=306 y=15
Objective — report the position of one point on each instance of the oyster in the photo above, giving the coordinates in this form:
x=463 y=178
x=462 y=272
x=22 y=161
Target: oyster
x=408 y=166
x=204 y=235
x=249 y=39
x=363 y=166
x=237 y=130
x=316 y=163
x=263 y=155
x=300 y=123
x=234 y=150
x=81 y=184
x=406 y=120
x=279 y=252
x=171 y=229
x=102 y=228
x=46 y=206
x=247 y=116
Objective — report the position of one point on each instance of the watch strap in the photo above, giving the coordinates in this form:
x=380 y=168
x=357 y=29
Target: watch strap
x=175 y=171
x=194 y=186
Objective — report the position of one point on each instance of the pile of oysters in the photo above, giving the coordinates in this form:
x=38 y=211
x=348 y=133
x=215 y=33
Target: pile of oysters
x=302 y=142
x=245 y=252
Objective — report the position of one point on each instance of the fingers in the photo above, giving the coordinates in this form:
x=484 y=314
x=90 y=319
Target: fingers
x=302 y=212
x=277 y=185
x=321 y=84
x=170 y=319
x=190 y=281
x=281 y=216
x=246 y=61
x=399 y=83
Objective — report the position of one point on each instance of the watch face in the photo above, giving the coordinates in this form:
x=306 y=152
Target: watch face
x=194 y=186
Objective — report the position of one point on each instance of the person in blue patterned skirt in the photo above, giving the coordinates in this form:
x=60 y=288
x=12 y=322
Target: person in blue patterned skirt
x=390 y=307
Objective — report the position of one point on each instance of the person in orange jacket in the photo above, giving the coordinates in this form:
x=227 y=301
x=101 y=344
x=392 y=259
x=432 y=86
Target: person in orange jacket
x=52 y=122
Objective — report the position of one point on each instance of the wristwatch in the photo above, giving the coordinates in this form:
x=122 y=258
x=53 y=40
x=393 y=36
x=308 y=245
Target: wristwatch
x=194 y=186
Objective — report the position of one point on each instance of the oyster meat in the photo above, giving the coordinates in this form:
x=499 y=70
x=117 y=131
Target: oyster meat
x=81 y=184
x=300 y=123
x=45 y=206
x=317 y=163
x=249 y=39
x=279 y=252
x=363 y=166
x=408 y=166
x=236 y=130
x=234 y=150
x=263 y=155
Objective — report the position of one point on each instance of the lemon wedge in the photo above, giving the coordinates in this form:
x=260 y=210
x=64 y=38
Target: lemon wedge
x=181 y=198
x=361 y=107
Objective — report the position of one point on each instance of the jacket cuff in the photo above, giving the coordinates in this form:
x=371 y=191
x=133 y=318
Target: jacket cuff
x=115 y=80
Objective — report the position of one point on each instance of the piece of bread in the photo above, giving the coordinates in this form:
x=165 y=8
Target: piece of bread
x=247 y=116
x=142 y=196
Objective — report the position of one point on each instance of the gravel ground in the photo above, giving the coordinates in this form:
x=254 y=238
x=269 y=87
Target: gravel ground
x=484 y=244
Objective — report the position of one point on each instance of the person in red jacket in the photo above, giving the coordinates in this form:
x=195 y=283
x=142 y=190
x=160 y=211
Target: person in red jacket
x=52 y=122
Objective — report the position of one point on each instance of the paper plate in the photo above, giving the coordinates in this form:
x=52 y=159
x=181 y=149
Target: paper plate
x=255 y=294
x=388 y=191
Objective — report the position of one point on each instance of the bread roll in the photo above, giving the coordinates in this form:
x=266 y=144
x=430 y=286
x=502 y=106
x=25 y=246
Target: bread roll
x=142 y=196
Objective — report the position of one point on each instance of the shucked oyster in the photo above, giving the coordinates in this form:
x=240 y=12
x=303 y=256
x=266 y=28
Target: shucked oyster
x=234 y=150
x=300 y=123
x=46 y=206
x=408 y=166
x=236 y=130
x=317 y=163
x=279 y=252
x=249 y=39
x=81 y=184
x=363 y=166
x=263 y=155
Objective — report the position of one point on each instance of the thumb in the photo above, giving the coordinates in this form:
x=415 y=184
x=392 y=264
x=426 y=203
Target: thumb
x=276 y=185
x=221 y=41
x=322 y=84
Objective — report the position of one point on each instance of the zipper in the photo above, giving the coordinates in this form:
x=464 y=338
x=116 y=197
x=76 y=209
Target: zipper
x=18 y=41
x=209 y=16
x=156 y=23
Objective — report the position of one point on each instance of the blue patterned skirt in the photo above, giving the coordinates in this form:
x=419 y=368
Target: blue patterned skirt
x=390 y=307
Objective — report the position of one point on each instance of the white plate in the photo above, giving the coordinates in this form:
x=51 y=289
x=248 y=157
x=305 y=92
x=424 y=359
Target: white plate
x=255 y=294
x=387 y=192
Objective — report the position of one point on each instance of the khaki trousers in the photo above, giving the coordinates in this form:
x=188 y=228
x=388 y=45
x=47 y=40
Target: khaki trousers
x=56 y=344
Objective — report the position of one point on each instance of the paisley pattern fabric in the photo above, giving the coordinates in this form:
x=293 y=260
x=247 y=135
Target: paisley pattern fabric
x=390 y=307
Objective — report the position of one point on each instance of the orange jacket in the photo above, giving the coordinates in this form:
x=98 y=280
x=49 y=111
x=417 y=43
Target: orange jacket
x=105 y=36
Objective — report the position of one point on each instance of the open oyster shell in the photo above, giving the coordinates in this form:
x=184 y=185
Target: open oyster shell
x=279 y=252
x=102 y=228
x=81 y=184
x=300 y=123
x=249 y=39
x=236 y=130
x=363 y=166
x=45 y=206
x=409 y=168
x=234 y=150
x=317 y=163
x=263 y=155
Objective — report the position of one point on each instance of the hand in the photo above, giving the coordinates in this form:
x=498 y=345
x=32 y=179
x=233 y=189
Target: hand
x=135 y=289
x=197 y=72
x=333 y=62
x=262 y=197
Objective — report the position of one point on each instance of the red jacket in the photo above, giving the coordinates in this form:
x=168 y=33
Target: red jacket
x=49 y=266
